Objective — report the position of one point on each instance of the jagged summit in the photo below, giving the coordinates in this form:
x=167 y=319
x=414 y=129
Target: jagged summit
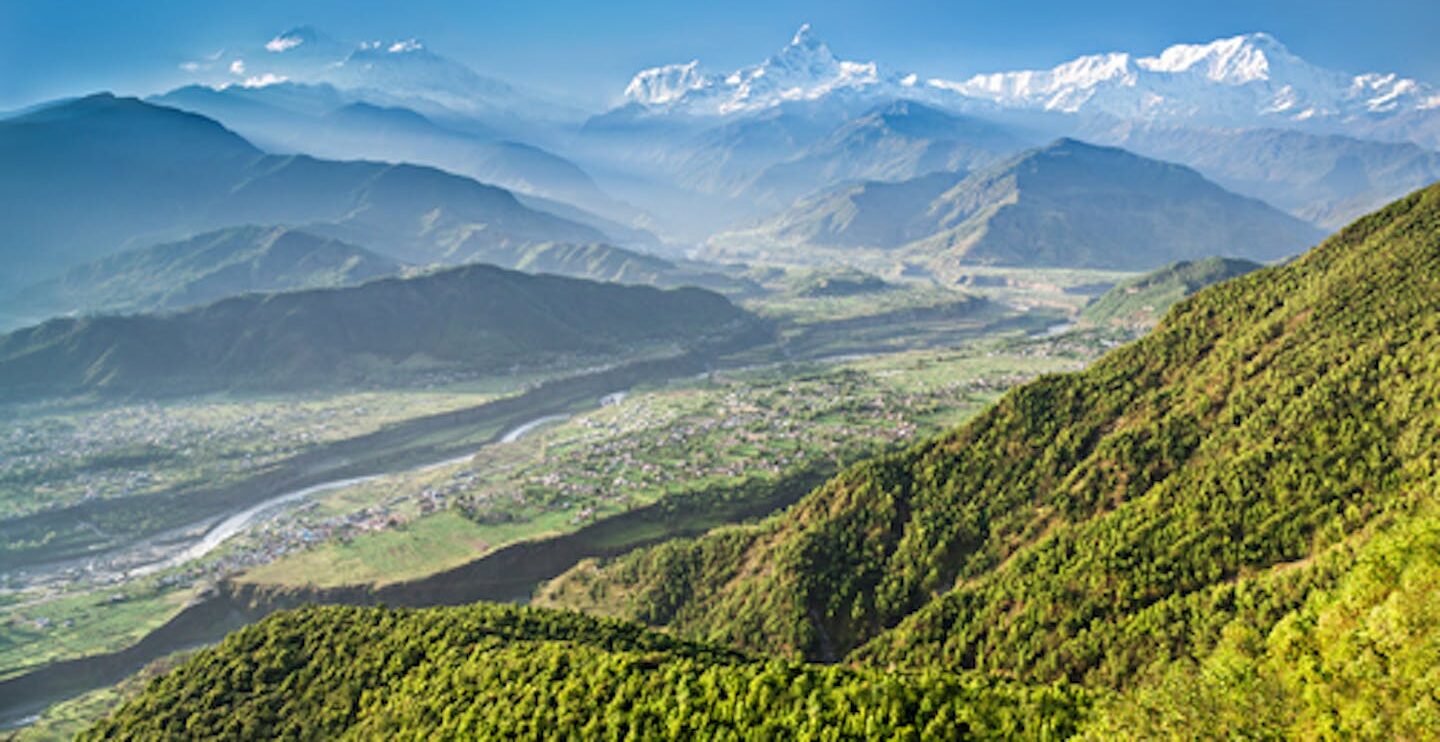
x=1235 y=60
x=394 y=69
x=1239 y=80
x=1244 y=80
x=804 y=37
x=803 y=69
x=666 y=84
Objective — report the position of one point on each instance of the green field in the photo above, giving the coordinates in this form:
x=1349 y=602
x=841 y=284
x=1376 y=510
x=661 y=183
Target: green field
x=37 y=630
x=419 y=547
x=700 y=435
x=57 y=453
x=66 y=719
x=701 y=447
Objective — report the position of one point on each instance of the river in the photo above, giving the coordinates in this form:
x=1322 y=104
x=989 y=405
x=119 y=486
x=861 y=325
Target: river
x=235 y=524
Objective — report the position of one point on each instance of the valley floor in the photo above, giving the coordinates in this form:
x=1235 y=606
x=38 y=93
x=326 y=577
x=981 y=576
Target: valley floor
x=864 y=374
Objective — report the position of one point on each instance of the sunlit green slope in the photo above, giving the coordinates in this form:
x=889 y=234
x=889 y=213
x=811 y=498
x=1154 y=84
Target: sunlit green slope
x=1092 y=525
x=497 y=672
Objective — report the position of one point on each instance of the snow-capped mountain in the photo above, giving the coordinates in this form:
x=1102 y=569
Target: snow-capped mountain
x=804 y=70
x=1239 y=80
x=406 y=68
x=396 y=71
x=1244 y=80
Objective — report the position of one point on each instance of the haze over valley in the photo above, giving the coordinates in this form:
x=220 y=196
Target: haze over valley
x=352 y=389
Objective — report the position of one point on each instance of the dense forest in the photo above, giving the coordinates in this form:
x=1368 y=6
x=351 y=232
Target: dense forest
x=500 y=672
x=1227 y=528
x=1218 y=478
x=1141 y=301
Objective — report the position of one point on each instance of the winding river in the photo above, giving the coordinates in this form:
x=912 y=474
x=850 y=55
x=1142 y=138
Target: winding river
x=235 y=524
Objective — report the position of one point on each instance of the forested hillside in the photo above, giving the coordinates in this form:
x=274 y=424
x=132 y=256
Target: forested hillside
x=1228 y=528
x=497 y=672
x=1215 y=479
x=1141 y=301
x=472 y=319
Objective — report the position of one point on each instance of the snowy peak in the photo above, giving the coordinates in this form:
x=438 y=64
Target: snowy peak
x=1234 y=61
x=393 y=71
x=805 y=51
x=805 y=37
x=804 y=69
x=661 y=85
x=1246 y=80
x=404 y=68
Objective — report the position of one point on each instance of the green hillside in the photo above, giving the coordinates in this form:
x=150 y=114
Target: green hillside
x=1250 y=486
x=1140 y=302
x=473 y=319
x=1227 y=529
x=492 y=672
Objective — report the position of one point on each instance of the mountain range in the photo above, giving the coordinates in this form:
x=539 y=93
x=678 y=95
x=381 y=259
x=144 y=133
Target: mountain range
x=323 y=121
x=1328 y=179
x=690 y=152
x=1067 y=204
x=1244 y=80
x=467 y=320
x=1224 y=529
x=398 y=71
x=260 y=259
x=205 y=268
x=895 y=141
x=1239 y=109
x=90 y=177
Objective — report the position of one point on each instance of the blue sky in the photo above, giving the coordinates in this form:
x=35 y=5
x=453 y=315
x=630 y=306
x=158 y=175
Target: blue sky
x=587 y=50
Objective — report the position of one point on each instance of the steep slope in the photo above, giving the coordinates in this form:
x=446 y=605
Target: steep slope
x=1091 y=524
x=1355 y=660
x=492 y=672
x=1077 y=205
x=1140 y=302
x=1069 y=204
x=87 y=178
x=208 y=267
x=465 y=320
